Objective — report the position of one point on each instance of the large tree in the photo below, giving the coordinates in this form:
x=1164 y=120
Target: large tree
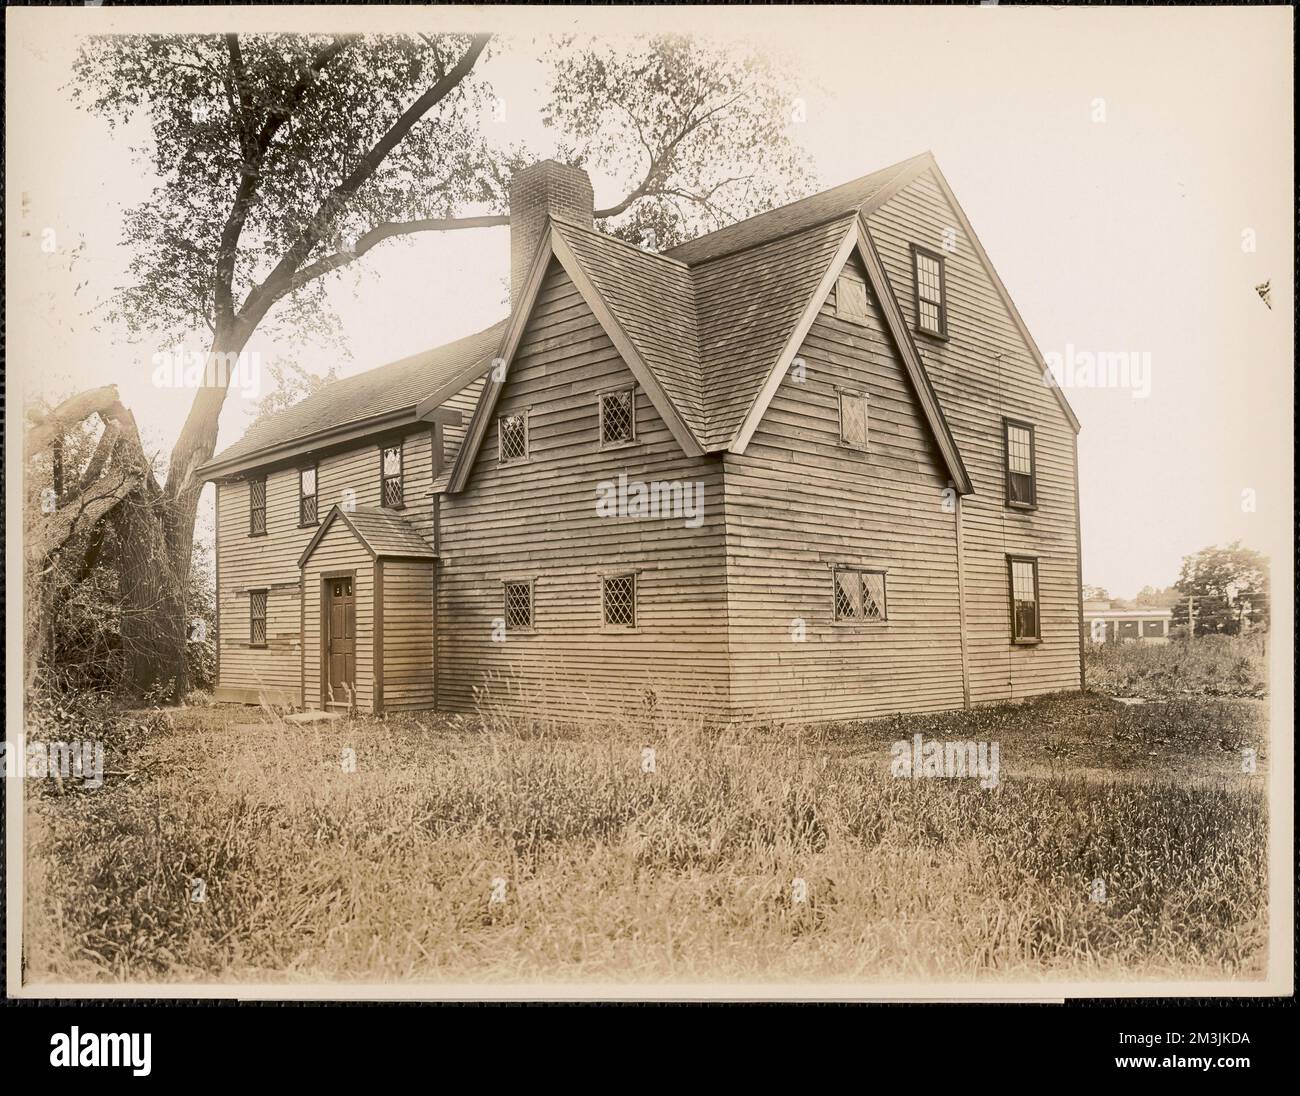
x=281 y=159
x=1229 y=588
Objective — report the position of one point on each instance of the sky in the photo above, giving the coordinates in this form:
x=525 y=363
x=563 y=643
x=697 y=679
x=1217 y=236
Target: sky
x=1129 y=172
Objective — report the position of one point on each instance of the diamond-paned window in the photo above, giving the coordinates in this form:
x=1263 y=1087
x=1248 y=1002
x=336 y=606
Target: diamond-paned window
x=390 y=464
x=257 y=618
x=619 y=597
x=257 y=506
x=513 y=433
x=860 y=595
x=518 y=605
x=307 y=496
x=617 y=421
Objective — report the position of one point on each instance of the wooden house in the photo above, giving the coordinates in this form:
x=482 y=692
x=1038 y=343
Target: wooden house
x=808 y=466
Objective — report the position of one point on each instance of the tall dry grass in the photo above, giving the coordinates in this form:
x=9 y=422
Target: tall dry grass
x=1211 y=666
x=687 y=873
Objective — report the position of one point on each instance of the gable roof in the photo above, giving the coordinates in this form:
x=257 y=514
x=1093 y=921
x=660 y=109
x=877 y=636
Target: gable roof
x=377 y=394
x=707 y=328
x=381 y=533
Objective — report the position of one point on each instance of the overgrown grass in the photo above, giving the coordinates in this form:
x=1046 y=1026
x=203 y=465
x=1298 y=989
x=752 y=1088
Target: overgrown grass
x=387 y=872
x=1211 y=666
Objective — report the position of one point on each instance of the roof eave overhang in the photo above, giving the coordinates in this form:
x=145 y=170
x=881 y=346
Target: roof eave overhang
x=289 y=451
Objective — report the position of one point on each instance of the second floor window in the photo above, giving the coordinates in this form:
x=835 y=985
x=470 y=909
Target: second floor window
x=1022 y=574
x=1019 y=446
x=257 y=506
x=307 y=496
x=617 y=418
x=512 y=431
x=931 y=307
x=390 y=488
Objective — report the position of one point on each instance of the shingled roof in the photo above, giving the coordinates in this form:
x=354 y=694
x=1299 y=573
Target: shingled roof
x=704 y=326
x=376 y=393
x=381 y=532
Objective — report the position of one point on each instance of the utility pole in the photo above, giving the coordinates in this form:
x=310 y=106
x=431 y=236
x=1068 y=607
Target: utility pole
x=1191 y=618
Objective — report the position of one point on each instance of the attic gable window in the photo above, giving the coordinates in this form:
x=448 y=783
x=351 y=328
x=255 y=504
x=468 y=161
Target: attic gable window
x=307 y=496
x=1022 y=577
x=390 y=476
x=617 y=418
x=1018 y=447
x=853 y=420
x=257 y=507
x=931 y=300
x=860 y=595
x=512 y=433
x=851 y=299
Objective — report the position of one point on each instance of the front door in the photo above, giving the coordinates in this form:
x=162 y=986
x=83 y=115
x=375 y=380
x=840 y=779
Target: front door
x=340 y=641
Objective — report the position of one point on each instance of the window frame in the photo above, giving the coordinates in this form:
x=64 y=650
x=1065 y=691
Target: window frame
x=942 y=303
x=838 y=569
x=384 y=447
x=841 y=313
x=630 y=392
x=531 y=583
x=605 y=579
x=502 y=460
x=253 y=618
x=1007 y=424
x=253 y=529
x=865 y=397
x=1017 y=639
x=314 y=469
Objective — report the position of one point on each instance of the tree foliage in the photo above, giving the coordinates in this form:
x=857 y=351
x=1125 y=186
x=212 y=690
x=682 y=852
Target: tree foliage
x=1230 y=587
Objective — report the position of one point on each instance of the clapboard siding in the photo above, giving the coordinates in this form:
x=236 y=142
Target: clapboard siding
x=271 y=562
x=537 y=521
x=339 y=551
x=408 y=622
x=982 y=372
x=798 y=502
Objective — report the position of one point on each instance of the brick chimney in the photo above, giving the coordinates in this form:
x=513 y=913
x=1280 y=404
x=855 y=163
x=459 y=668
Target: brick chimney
x=537 y=192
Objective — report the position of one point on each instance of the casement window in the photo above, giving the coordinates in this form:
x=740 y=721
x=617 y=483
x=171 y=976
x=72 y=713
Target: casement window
x=931 y=297
x=1022 y=577
x=853 y=419
x=618 y=601
x=859 y=595
x=851 y=300
x=307 y=496
x=257 y=507
x=617 y=417
x=518 y=606
x=512 y=434
x=257 y=618
x=390 y=476
x=1018 y=446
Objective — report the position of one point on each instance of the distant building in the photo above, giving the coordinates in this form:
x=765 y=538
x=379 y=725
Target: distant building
x=1106 y=625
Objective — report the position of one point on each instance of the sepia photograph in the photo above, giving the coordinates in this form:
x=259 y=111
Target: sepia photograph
x=648 y=503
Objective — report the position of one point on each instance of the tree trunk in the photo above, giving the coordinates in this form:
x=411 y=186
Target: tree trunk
x=158 y=596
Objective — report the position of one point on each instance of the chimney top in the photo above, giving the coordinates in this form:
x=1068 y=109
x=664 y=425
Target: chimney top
x=538 y=192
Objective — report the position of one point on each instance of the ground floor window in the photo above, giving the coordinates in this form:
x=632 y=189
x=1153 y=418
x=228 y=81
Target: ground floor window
x=518 y=606
x=257 y=618
x=1022 y=573
x=859 y=595
x=618 y=597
